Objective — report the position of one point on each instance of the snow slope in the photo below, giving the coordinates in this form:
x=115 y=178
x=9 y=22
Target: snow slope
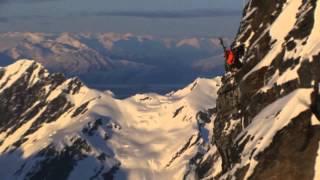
x=94 y=135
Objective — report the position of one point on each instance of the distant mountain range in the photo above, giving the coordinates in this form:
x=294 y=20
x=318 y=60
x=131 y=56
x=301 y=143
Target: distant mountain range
x=125 y=63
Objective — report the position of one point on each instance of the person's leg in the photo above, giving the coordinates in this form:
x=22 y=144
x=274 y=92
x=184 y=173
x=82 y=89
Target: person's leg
x=238 y=64
x=227 y=67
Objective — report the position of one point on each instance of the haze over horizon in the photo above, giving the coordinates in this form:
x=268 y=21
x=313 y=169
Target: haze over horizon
x=162 y=18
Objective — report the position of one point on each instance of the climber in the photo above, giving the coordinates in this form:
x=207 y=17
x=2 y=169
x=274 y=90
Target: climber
x=232 y=57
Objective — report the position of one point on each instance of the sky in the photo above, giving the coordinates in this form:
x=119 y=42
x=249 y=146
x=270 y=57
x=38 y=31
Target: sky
x=154 y=17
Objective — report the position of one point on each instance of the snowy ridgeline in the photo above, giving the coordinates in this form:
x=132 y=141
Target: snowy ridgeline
x=57 y=128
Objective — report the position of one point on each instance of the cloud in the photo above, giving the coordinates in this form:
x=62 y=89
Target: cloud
x=4 y=20
x=167 y=14
x=24 y=1
x=7 y=19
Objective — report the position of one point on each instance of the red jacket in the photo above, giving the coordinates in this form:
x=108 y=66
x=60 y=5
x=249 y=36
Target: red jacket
x=229 y=55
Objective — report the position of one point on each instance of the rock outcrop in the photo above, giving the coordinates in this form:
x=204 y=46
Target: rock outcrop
x=267 y=122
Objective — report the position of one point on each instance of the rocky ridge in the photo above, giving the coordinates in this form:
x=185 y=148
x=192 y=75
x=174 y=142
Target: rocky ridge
x=267 y=121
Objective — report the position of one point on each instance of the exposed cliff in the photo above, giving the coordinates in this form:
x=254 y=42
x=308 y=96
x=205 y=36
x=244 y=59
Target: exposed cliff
x=267 y=123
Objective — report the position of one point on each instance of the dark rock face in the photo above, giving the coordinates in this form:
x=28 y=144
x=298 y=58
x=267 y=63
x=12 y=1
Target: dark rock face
x=33 y=98
x=61 y=162
x=19 y=98
x=246 y=94
x=292 y=154
x=229 y=101
x=22 y=101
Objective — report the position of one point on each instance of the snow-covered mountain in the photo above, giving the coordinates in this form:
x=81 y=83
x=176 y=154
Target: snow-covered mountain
x=82 y=52
x=267 y=124
x=57 y=128
x=110 y=60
